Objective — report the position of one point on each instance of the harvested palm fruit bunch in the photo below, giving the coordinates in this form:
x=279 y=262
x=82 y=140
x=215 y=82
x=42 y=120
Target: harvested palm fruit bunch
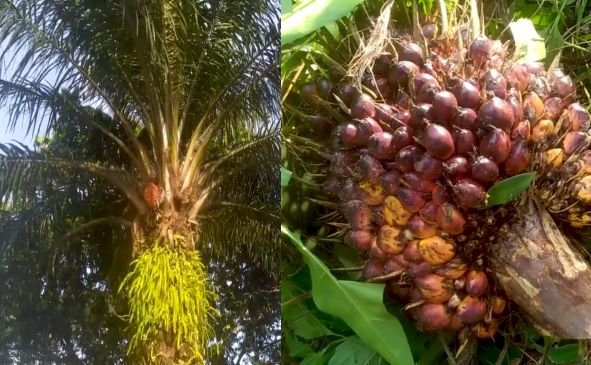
x=418 y=130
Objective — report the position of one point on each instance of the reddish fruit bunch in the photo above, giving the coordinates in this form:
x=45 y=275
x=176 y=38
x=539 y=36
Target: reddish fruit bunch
x=431 y=132
x=152 y=194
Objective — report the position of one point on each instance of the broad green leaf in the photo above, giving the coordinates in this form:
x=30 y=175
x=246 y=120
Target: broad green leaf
x=311 y=15
x=296 y=347
x=285 y=176
x=349 y=257
x=316 y=359
x=359 y=305
x=286 y=6
x=297 y=315
x=509 y=189
x=567 y=354
x=353 y=351
x=529 y=45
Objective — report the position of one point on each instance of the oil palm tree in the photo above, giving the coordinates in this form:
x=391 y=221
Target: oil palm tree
x=188 y=95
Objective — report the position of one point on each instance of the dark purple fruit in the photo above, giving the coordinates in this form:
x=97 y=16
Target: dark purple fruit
x=370 y=167
x=476 y=283
x=411 y=52
x=521 y=130
x=496 y=145
x=381 y=146
x=429 y=212
x=411 y=199
x=553 y=108
x=577 y=118
x=493 y=81
x=519 y=159
x=358 y=214
x=429 y=31
x=496 y=112
x=445 y=106
x=420 y=229
x=456 y=167
x=427 y=93
x=399 y=73
x=519 y=77
x=320 y=125
x=324 y=88
x=373 y=269
x=428 y=167
x=309 y=93
x=385 y=113
x=381 y=87
x=366 y=128
x=480 y=50
x=469 y=194
x=432 y=317
x=422 y=80
x=450 y=219
x=467 y=95
x=573 y=141
x=471 y=310
x=363 y=107
x=484 y=169
x=434 y=288
x=401 y=138
x=515 y=106
x=406 y=157
x=411 y=252
x=361 y=240
x=391 y=182
x=348 y=93
x=414 y=181
x=465 y=118
x=464 y=141
x=438 y=141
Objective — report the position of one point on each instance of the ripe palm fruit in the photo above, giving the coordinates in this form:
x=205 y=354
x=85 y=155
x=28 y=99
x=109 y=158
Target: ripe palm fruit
x=412 y=171
x=152 y=194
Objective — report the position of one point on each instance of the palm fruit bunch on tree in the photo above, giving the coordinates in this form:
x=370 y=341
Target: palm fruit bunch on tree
x=416 y=141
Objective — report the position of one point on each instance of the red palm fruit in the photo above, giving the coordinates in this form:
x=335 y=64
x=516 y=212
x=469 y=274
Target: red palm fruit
x=423 y=79
x=476 y=283
x=349 y=190
x=406 y=157
x=496 y=112
x=411 y=199
x=561 y=84
x=366 y=127
x=533 y=107
x=389 y=240
x=455 y=324
x=522 y=130
x=381 y=87
x=494 y=82
x=342 y=163
x=377 y=215
x=385 y=114
x=418 y=269
x=391 y=182
x=419 y=113
x=519 y=159
x=432 y=317
x=429 y=212
x=309 y=93
x=399 y=292
x=152 y=193
x=577 y=118
x=480 y=50
x=471 y=310
x=381 y=145
x=382 y=64
x=514 y=101
x=421 y=229
x=496 y=145
x=361 y=240
x=401 y=138
x=416 y=182
x=552 y=108
x=411 y=52
x=440 y=194
x=399 y=73
x=375 y=252
x=453 y=269
x=518 y=76
x=370 y=168
x=348 y=93
x=484 y=169
x=573 y=141
x=428 y=167
x=437 y=140
x=542 y=130
x=456 y=167
x=403 y=116
x=349 y=135
x=324 y=88
x=373 y=269
x=467 y=95
x=358 y=214
x=427 y=93
x=392 y=266
x=445 y=106
x=363 y=107
x=403 y=100
x=450 y=219
x=535 y=68
x=469 y=194
x=429 y=31
x=411 y=252
x=540 y=86
x=434 y=288
x=465 y=118
x=464 y=141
